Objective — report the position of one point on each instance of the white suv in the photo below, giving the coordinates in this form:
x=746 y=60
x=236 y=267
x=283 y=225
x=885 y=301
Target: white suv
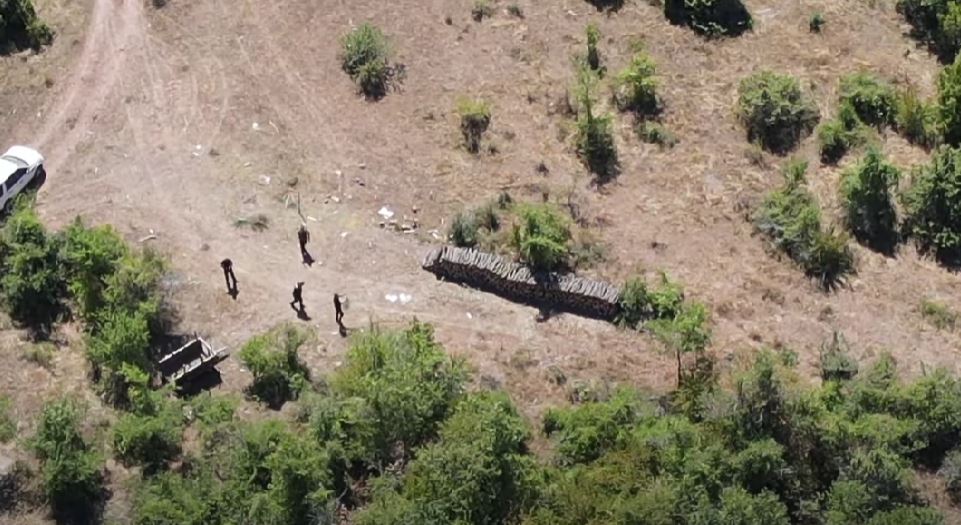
x=20 y=167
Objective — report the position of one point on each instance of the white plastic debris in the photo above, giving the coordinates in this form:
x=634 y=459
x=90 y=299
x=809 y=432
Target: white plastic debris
x=343 y=234
x=391 y=297
x=264 y=180
x=385 y=212
x=469 y=316
x=405 y=298
x=255 y=126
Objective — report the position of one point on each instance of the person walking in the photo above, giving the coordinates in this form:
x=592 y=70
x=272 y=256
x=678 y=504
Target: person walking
x=298 y=298
x=228 y=267
x=303 y=237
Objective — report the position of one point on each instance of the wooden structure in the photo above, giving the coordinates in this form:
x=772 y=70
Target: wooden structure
x=190 y=360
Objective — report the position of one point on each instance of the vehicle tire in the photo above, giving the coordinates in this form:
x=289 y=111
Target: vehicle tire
x=39 y=179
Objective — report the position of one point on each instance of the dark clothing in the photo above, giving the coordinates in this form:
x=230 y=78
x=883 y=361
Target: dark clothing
x=338 y=310
x=298 y=296
x=303 y=237
x=228 y=267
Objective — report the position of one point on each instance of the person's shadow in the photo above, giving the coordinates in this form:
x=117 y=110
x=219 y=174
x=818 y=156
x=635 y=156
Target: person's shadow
x=233 y=292
x=301 y=312
x=307 y=257
x=342 y=329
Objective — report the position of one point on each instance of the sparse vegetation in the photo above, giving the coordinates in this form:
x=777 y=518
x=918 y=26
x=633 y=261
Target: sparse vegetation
x=475 y=118
x=20 y=28
x=712 y=18
x=8 y=427
x=816 y=22
x=932 y=209
x=938 y=314
x=273 y=359
x=656 y=133
x=791 y=219
x=41 y=353
x=836 y=361
x=838 y=136
x=937 y=23
x=593 y=57
x=515 y=10
x=365 y=57
x=257 y=223
x=775 y=111
x=949 y=101
x=868 y=201
x=482 y=9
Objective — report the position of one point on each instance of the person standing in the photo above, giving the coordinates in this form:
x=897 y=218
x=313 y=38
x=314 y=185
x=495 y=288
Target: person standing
x=228 y=267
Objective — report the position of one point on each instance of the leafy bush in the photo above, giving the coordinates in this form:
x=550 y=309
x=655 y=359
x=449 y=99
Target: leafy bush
x=936 y=23
x=932 y=209
x=873 y=100
x=463 y=230
x=272 y=358
x=584 y=433
x=775 y=111
x=149 y=440
x=836 y=137
x=636 y=88
x=89 y=256
x=949 y=102
x=135 y=289
x=31 y=287
x=20 y=28
x=595 y=133
x=916 y=120
x=938 y=314
x=478 y=473
x=475 y=117
x=407 y=382
x=710 y=17
x=816 y=23
x=542 y=237
x=868 y=202
x=365 y=57
x=791 y=219
x=72 y=478
x=836 y=363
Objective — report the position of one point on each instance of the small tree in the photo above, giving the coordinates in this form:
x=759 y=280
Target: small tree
x=365 y=57
x=20 y=28
x=593 y=55
x=542 y=237
x=272 y=358
x=90 y=255
x=636 y=88
x=595 y=135
x=932 y=208
x=837 y=136
x=475 y=118
x=866 y=195
x=949 y=102
x=31 y=285
x=916 y=120
x=775 y=111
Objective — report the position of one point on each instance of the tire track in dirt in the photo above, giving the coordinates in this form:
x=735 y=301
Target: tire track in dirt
x=113 y=25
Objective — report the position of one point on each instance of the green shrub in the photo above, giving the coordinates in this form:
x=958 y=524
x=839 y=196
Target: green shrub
x=148 y=440
x=594 y=138
x=791 y=219
x=89 y=256
x=20 y=28
x=31 y=287
x=742 y=507
x=584 y=433
x=836 y=137
x=908 y=515
x=408 y=383
x=916 y=120
x=775 y=111
x=656 y=133
x=123 y=339
x=710 y=17
x=542 y=237
x=593 y=55
x=816 y=22
x=172 y=498
x=932 y=209
x=949 y=102
x=135 y=289
x=475 y=118
x=515 y=11
x=938 y=314
x=72 y=478
x=936 y=23
x=273 y=360
x=868 y=201
x=836 y=361
x=873 y=100
x=478 y=473
x=365 y=57
x=685 y=332
x=482 y=9
x=464 y=230
x=636 y=88
x=41 y=353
